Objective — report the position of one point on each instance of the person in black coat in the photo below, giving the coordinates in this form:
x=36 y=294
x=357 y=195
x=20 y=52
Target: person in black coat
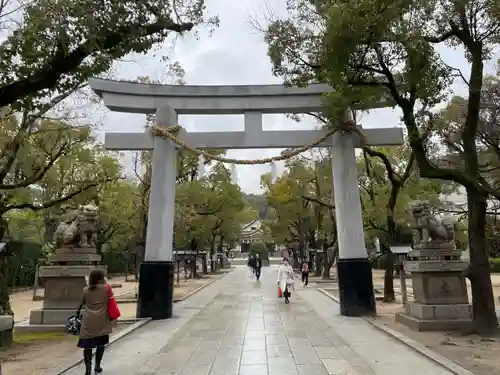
x=304 y=267
x=257 y=266
x=251 y=263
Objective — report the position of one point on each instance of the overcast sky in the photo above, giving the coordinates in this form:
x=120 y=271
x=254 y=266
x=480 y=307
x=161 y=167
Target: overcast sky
x=235 y=54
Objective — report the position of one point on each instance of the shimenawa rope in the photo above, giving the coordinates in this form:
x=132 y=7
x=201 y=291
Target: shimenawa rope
x=171 y=132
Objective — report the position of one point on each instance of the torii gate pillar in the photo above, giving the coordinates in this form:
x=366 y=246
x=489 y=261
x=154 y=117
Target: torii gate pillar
x=354 y=272
x=156 y=286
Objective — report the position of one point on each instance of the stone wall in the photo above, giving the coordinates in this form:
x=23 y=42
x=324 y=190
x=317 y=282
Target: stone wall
x=6 y=330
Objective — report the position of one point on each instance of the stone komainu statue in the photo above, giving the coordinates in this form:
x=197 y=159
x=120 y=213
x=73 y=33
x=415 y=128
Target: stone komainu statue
x=78 y=228
x=429 y=227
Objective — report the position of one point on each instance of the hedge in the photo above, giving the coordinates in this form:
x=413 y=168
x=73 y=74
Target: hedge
x=495 y=265
x=22 y=264
x=259 y=248
x=379 y=264
x=23 y=261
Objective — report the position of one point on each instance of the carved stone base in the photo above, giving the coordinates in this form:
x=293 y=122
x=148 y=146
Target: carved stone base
x=440 y=297
x=439 y=288
x=67 y=271
x=6 y=330
x=439 y=312
x=50 y=317
x=435 y=266
x=76 y=255
x=63 y=292
x=435 y=253
x=435 y=245
x=420 y=325
x=64 y=285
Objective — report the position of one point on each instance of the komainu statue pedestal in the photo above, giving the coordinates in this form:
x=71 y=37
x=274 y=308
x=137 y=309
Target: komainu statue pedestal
x=75 y=257
x=440 y=292
x=6 y=331
x=63 y=285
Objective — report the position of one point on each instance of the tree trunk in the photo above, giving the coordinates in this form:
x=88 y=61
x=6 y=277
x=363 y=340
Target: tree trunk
x=194 y=246
x=483 y=304
x=5 y=307
x=326 y=263
x=212 y=252
x=318 y=269
x=389 y=295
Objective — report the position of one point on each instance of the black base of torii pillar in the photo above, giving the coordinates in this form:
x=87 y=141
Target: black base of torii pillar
x=356 y=287
x=156 y=290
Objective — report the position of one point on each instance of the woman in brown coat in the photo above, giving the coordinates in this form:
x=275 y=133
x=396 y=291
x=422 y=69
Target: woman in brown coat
x=96 y=326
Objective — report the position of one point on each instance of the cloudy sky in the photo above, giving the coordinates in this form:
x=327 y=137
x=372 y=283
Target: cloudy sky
x=235 y=54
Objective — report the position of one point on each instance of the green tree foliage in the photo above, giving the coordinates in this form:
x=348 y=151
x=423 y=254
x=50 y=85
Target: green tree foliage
x=450 y=123
x=55 y=46
x=48 y=164
x=208 y=210
x=119 y=204
x=44 y=165
x=259 y=203
x=302 y=201
x=26 y=225
x=388 y=183
x=376 y=49
x=259 y=248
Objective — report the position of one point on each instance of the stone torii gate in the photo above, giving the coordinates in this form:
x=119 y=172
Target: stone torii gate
x=167 y=101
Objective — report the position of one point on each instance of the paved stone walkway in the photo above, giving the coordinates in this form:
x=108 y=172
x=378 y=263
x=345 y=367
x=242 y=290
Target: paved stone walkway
x=238 y=326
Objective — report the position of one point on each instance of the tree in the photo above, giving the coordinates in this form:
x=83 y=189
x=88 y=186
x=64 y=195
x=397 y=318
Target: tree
x=301 y=199
x=294 y=220
x=388 y=183
x=450 y=122
x=25 y=225
x=259 y=248
x=373 y=50
x=208 y=210
x=119 y=204
x=43 y=165
x=259 y=203
x=48 y=165
x=57 y=46
x=187 y=184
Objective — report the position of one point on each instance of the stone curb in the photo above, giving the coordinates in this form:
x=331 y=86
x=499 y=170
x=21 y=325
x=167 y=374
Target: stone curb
x=412 y=344
x=77 y=359
x=134 y=300
x=317 y=282
x=203 y=286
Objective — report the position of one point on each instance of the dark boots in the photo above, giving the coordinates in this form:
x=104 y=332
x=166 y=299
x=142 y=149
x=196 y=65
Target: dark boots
x=287 y=295
x=87 y=359
x=98 y=358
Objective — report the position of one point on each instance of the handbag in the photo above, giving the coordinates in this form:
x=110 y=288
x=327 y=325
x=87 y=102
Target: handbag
x=113 y=310
x=75 y=322
x=280 y=292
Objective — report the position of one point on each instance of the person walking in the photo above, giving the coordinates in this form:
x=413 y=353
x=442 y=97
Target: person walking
x=286 y=279
x=305 y=272
x=252 y=263
x=258 y=266
x=96 y=325
x=249 y=263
